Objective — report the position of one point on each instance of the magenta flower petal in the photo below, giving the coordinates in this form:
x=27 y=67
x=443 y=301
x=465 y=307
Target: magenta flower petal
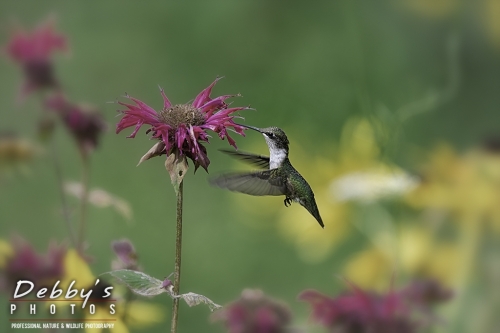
x=215 y=104
x=37 y=45
x=204 y=96
x=83 y=122
x=183 y=126
x=166 y=102
x=32 y=50
x=136 y=129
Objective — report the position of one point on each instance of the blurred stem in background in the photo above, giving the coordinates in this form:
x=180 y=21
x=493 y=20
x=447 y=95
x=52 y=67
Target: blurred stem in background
x=436 y=98
x=471 y=232
x=84 y=199
x=178 y=249
x=60 y=186
x=46 y=133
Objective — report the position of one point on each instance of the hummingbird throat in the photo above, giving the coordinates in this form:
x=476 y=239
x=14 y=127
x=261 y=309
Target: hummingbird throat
x=278 y=156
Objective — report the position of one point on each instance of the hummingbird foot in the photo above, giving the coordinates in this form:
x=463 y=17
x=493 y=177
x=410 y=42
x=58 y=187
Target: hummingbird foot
x=287 y=201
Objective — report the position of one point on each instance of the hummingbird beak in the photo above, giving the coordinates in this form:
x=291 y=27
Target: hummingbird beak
x=251 y=127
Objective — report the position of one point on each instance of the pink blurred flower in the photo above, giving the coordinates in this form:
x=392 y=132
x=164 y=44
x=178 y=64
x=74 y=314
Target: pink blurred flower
x=32 y=50
x=26 y=264
x=361 y=312
x=422 y=295
x=425 y=293
x=368 y=312
x=183 y=126
x=254 y=312
x=126 y=255
x=83 y=122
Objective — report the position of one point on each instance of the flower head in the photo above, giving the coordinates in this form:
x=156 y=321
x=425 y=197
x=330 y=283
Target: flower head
x=254 y=312
x=15 y=152
x=182 y=126
x=24 y=263
x=366 y=311
x=426 y=292
x=126 y=255
x=32 y=50
x=360 y=311
x=83 y=122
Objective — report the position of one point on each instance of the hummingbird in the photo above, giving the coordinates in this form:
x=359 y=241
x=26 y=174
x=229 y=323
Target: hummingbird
x=279 y=177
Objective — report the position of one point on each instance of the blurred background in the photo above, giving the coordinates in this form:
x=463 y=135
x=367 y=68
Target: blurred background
x=391 y=108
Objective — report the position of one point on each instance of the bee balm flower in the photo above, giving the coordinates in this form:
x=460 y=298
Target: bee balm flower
x=32 y=50
x=406 y=311
x=183 y=126
x=255 y=312
x=24 y=263
x=83 y=122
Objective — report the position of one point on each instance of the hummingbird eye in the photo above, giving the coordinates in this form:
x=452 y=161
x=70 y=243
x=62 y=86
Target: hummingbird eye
x=269 y=134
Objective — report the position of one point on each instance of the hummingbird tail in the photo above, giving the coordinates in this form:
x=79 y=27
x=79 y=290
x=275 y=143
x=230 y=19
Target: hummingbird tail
x=313 y=209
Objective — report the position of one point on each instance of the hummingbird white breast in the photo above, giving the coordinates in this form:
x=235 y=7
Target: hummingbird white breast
x=276 y=155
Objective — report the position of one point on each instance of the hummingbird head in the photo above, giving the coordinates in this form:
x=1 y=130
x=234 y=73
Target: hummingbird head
x=276 y=141
x=275 y=137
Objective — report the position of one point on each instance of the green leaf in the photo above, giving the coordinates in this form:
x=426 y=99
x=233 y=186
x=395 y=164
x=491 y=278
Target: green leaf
x=140 y=283
x=145 y=285
x=193 y=299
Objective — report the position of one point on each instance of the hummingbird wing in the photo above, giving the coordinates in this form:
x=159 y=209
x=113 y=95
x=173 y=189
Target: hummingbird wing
x=258 y=160
x=253 y=183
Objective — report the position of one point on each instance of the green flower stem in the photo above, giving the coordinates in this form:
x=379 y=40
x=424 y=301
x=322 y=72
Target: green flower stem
x=471 y=232
x=60 y=181
x=178 y=249
x=84 y=200
x=60 y=186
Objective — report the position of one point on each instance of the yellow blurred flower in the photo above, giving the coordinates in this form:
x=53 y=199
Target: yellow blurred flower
x=76 y=269
x=491 y=20
x=141 y=314
x=466 y=186
x=129 y=314
x=461 y=188
x=464 y=190
x=370 y=268
x=435 y=9
x=103 y=313
x=15 y=150
x=315 y=244
x=417 y=253
x=482 y=13
x=6 y=251
x=16 y=153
